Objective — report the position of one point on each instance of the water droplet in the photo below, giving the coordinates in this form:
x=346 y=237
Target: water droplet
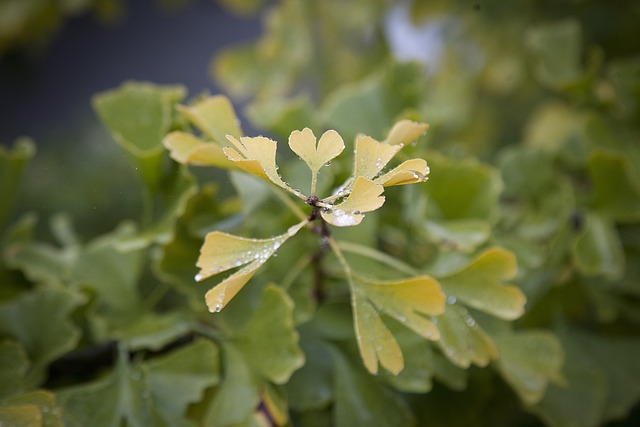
x=328 y=164
x=469 y=321
x=451 y=299
x=217 y=308
x=198 y=277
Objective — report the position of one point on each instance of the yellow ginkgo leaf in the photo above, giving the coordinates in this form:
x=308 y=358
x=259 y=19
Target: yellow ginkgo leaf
x=188 y=149
x=303 y=143
x=409 y=172
x=222 y=251
x=257 y=156
x=405 y=131
x=365 y=197
x=371 y=156
x=218 y=296
x=214 y=116
x=375 y=341
x=408 y=301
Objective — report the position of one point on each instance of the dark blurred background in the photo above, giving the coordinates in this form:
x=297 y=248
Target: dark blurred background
x=47 y=90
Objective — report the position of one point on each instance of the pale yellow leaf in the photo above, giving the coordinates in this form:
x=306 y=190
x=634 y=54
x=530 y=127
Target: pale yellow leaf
x=409 y=172
x=257 y=156
x=214 y=116
x=218 y=296
x=405 y=131
x=223 y=251
x=372 y=156
x=188 y=149
x=303 y=143
x=365 y=197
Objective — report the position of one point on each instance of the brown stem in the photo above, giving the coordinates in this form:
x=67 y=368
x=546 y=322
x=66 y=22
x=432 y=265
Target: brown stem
x=321 y=229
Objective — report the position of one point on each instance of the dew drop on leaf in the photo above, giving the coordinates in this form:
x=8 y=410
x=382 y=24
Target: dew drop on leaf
x=451 y=299
x=469 y=321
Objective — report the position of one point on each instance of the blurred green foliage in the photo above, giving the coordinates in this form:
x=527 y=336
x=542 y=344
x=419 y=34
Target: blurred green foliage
x=534 y=109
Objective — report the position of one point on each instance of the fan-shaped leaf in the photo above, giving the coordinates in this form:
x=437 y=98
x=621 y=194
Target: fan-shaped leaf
x=405 y=131
x=365 y=197
x=528 y=361
x=462 y=340
x=187 y=149
x=409 y=172
x=270 y=341
x=214 y=116
x=479 y=284
x=257 y=156
x=303 y=143
x=408 y=301
x=372 y=156
x=222 y=251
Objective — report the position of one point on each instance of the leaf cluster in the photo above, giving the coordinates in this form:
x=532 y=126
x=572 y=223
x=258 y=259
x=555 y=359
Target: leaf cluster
x=331 y=283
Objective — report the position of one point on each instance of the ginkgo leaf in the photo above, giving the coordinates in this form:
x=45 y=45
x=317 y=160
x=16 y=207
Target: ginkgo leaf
x=188 y=149
x=257 y=156
x=462 y=340
x=479 y=284
x=405 y=131
x=214 y=116
x=408 y=301
x=375 y=341
x=371 y=156
x=222 y=251
x=365 y=197
x=303 y=143
x=269 y=341
x=529 y=361
x=409 y=172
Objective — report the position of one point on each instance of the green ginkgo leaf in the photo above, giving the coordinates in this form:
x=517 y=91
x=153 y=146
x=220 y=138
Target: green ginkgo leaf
x=214 y=116
x=480 y=284
x=409 y=301
x=366 y=196
x=462 y=340
x=13 y=368
x=303 y=143
x=597 y=250
x=616 y=187
x=529 y=361
x=269 y=342
x=221 y=252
